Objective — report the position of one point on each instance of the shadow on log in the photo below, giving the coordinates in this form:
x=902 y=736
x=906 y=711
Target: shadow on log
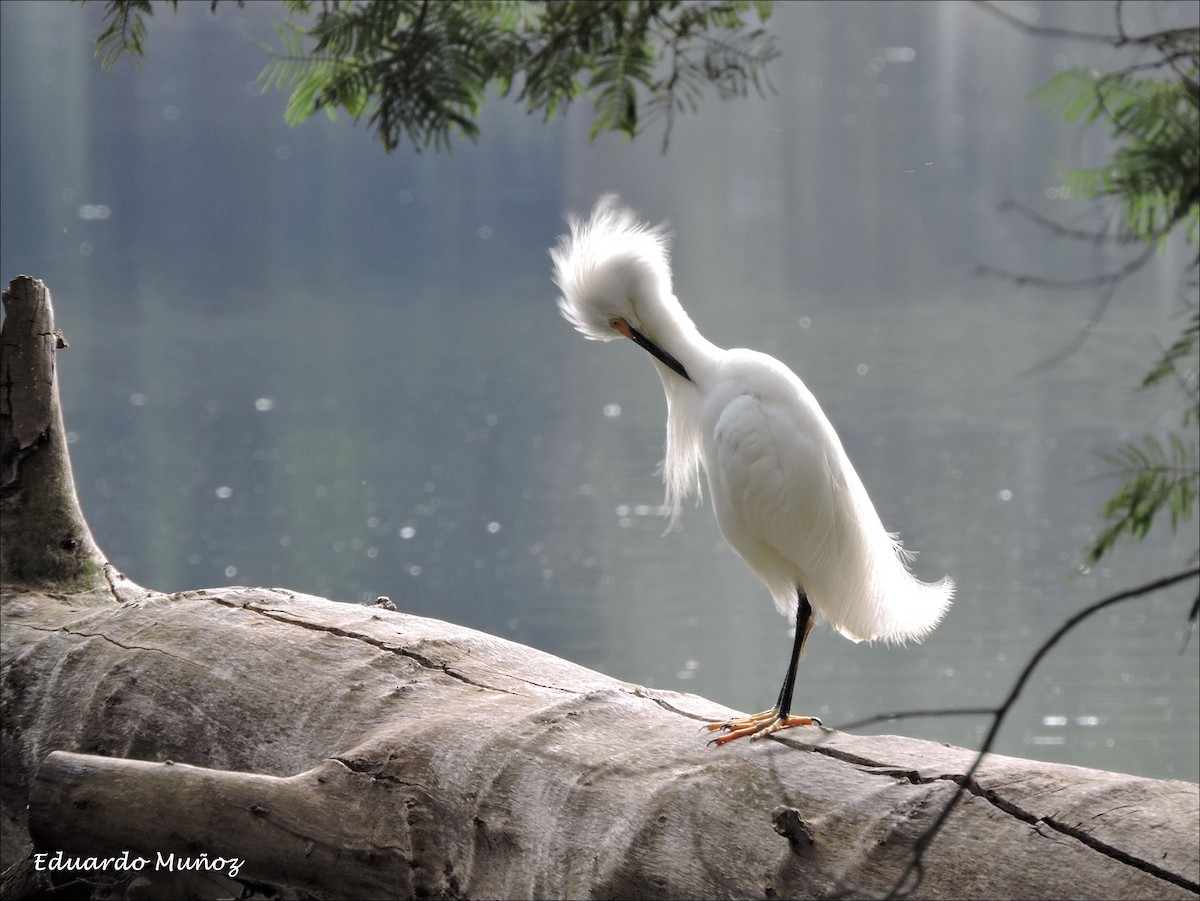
x=261 y=743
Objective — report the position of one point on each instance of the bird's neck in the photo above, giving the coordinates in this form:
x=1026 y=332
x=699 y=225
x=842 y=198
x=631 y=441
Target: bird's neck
x=679 y=337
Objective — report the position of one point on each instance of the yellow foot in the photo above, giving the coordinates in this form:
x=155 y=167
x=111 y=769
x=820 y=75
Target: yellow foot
x=758 y=726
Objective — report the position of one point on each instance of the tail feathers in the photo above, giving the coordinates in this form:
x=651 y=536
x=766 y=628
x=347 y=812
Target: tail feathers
x=897 y=609
x=871 y=599
x=870 y=593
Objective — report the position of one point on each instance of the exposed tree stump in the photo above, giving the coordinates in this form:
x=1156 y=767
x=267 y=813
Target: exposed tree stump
x=277 y=744
x=47 y=542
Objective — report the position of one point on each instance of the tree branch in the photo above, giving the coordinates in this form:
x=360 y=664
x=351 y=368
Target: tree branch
x=915 y=871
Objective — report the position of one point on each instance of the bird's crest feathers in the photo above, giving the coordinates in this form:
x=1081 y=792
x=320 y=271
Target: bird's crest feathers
x=611 y=265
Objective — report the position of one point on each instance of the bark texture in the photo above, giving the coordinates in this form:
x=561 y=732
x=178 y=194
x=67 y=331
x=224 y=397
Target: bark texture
x=47 y=542
x=322 y=750
x=346 y=751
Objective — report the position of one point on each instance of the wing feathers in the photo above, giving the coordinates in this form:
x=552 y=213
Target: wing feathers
x=790 y=503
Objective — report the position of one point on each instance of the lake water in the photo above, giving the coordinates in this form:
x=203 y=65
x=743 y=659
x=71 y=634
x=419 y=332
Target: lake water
x=298 y=361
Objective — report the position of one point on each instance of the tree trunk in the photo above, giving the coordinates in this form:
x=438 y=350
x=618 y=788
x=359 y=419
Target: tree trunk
x=262 y=743
x=47 y=543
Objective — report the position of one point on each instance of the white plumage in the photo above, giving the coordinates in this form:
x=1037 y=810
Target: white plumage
x=785 y=494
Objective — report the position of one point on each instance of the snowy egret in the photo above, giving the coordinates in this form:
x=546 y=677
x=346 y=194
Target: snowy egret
x=786 y=496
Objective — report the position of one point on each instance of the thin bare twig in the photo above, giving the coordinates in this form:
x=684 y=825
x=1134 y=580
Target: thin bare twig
x=913 y=714
x=1096 y=238
x=1050 y=32
x=1102 y=280
x=1108 y=281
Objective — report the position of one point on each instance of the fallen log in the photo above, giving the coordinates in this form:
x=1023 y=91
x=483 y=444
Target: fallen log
x=347 y=751
x=262 y=743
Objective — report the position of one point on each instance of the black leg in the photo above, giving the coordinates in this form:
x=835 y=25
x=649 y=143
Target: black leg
x=804 y=624
x=770 y=721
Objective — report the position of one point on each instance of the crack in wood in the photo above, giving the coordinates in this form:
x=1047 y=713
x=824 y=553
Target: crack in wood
x=997 y=800
x=375 y=771
x=670 y=708
x=125 y=647
x=112 y=585
x=1117 y=854
x=389 y=646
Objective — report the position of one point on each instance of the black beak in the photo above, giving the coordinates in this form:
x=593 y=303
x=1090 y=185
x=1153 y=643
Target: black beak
x=645 y=343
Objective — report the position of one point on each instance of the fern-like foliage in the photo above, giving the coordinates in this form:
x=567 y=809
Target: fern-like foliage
x=1154 y=169
x=1159 y=477
x=1156 y=478
x=125 y=31
x=125 y=28
x=1177 y=362
x=1154 y=174
x=420 y=70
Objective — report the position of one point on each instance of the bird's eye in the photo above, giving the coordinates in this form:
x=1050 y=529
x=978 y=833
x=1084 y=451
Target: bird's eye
x=615 y=324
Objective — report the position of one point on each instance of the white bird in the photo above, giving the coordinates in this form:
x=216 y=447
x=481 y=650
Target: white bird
x=786 y=496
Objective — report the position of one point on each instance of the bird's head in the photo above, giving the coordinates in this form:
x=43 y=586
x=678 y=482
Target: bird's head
x=615 y=277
